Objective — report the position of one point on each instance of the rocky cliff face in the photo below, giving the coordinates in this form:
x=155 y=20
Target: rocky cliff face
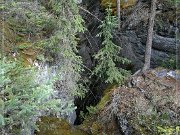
x=146 y=99
x=147 y=104
x=133 y=35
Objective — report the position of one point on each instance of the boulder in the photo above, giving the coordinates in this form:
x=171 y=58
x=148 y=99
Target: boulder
x=56 y=126
x=163 y=48
x=147 y=99
x=146 y=103
x=163 y=44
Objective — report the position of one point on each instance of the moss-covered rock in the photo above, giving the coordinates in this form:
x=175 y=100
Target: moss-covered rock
x=124 y=4
x=8 y=35
x=17 y=46
x=93 y=123
x=105 y=98
x=25 y=29
x=143 y=105
x=56 y=126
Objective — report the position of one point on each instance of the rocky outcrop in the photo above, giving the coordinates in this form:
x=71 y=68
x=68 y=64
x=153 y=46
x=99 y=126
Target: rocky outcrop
x=55 y=126
x=147 y=101
x=133 y=36
x=163 y=44
x=153 y=94
x=134 y=48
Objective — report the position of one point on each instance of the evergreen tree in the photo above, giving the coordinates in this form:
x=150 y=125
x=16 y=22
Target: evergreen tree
x=69 y=23
x=22 y=99
x=108 y=55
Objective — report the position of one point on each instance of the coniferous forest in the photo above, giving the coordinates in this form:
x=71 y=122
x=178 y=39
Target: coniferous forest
x=89 y=67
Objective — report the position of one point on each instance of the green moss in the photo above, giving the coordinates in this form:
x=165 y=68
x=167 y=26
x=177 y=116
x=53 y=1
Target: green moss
x=91 y=123
x=56 y=126
x=106 y=97
x=24 y=45
x=96 y=128
x=8 y=37
x=19 y=38
x=124 y=4
x=168 y=130
x=103 y=101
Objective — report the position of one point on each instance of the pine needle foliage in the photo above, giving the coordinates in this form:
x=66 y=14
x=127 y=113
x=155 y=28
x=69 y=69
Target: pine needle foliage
x=22 y=99
x=108 y=56
x=69 y=23
x=61 y=42
x=27 y=18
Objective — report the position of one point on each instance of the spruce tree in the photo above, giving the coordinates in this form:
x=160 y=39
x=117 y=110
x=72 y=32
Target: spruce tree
x=108 y=56
x=22 y=99
x=69 y=23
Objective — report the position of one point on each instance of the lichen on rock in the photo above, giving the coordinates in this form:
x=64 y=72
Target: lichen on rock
x=146 y=102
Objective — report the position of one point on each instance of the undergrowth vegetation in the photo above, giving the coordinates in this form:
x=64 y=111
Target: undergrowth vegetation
x=23 y=99
x=46 y=32
x=158 y=124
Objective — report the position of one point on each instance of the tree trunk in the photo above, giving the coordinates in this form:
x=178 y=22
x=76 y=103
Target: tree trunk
x=177 y=49
x=150 y=36
x=118 y=4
